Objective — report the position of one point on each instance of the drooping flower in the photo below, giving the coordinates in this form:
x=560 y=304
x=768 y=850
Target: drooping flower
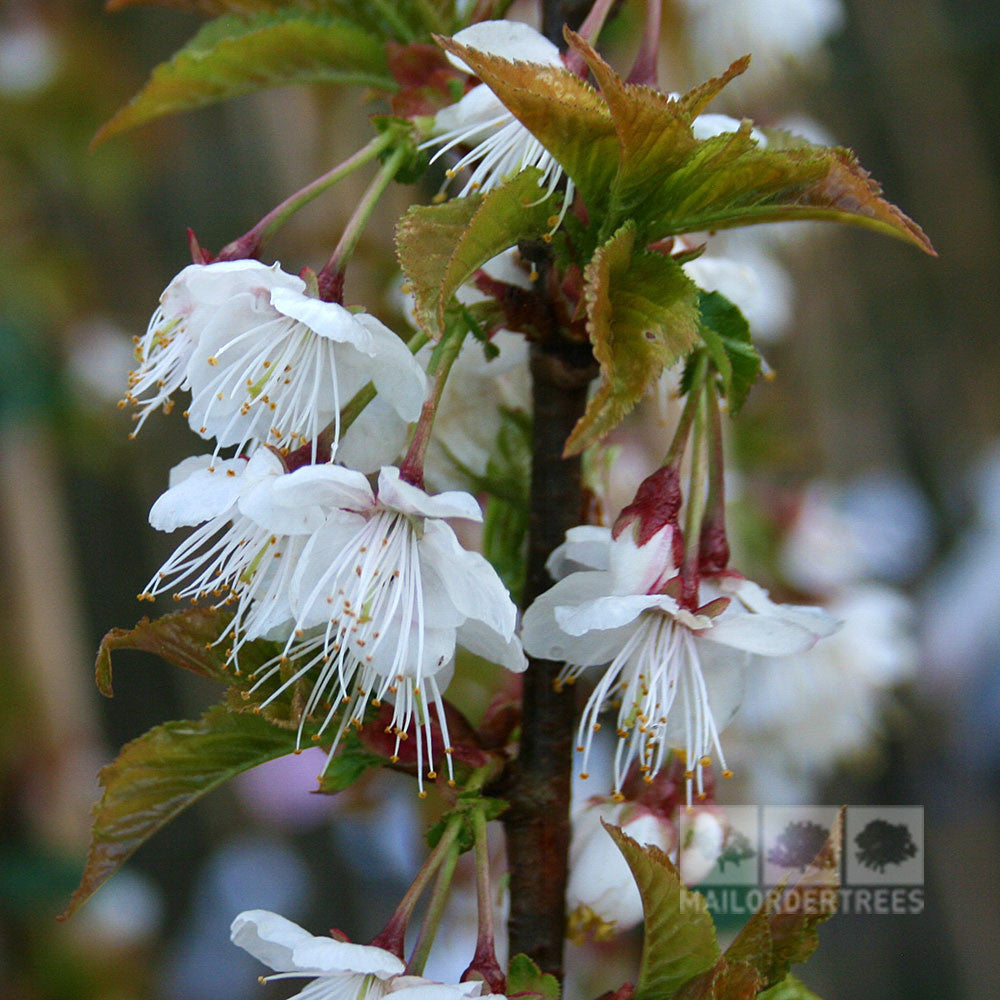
x=273 y=365
x=382 y=594
x=248 y=537
x=676 y=673
x=163 y=353
x=500 y=144
x=339 y=970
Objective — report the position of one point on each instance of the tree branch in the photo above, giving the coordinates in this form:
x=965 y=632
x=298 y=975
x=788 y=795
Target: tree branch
x=537 y=823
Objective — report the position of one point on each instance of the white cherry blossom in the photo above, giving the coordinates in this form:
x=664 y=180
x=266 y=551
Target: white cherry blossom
x=274 y=365
x=339 y=970
x=500 y=144
x=382 y=594
x=676 y=673
x=249 y=536
x=163 y=353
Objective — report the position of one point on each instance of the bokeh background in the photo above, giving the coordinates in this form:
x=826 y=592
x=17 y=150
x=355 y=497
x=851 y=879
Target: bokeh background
x=870 y=472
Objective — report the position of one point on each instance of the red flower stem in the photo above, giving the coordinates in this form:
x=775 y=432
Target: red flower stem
x=331 y=278
x=484 y=962
x=713 y=546
x=644 y=67
x=589 y=31
x=252 y=242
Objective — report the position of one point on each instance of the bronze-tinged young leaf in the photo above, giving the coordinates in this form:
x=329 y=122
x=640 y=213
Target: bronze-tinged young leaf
x=789 y=988
x=441 y=246
x=672 y=183
x=679 y=942
x=642 y=315
x=654 y=130
x=233 y=56
x=187 y=639
x=524 y=977
x=160 y=774
x=784 y=930
x=563 y=112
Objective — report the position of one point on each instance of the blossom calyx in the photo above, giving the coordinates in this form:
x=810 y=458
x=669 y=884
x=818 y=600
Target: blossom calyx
x=657 y=503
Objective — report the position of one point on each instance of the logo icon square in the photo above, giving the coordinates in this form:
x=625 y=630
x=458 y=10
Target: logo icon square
x=793 y=836
x=738 y=863
x=884 y=845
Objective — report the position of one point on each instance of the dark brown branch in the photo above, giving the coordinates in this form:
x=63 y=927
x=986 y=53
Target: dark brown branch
x=537 y=822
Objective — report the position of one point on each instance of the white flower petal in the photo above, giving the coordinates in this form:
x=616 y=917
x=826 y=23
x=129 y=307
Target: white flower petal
x=765 y=635
x=269 y=937
x=544 y=638
x=327 y=485
x=396 y=494
x=285 y=947
x=398 y=377
x=513 y=40
x=200 y=495
x=587 y=546
x=642 y=568
x=605 y=613
x=326 y=319
x=482 y=641
x=471 y=583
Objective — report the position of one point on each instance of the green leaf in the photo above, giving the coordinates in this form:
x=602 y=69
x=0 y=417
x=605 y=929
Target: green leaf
x=441 y=246
x=679 y=942
x=672 y=183
x=789 y=988
x=349 y=763
x=565 y=114
x=727 y=336
x=187 y=639
x=523 y=976
x=160 y=774
x=641 y=316
x=232 y=56
x=507 y=481
x=632 y=153
x=784 y=930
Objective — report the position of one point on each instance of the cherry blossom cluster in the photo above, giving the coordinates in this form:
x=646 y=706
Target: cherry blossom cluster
x=310 y=526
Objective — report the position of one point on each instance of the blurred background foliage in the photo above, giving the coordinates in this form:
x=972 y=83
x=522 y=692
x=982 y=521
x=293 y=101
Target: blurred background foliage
x=888 y=375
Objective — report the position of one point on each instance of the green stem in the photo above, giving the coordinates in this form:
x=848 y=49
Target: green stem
x=254 y=241
x=676 y=450
x=393 y=936
x=435 y=908
x=355 y=407
x=695 y=511
x=331 y=278
x=412 y=468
